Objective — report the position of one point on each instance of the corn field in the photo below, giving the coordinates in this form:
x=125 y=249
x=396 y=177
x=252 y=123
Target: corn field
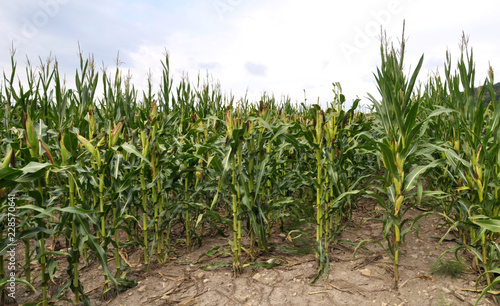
x=104 y=171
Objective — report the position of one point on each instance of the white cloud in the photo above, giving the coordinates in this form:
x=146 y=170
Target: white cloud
x=288 y=45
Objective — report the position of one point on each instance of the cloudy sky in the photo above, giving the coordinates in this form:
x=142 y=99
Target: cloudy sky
x=274 y=46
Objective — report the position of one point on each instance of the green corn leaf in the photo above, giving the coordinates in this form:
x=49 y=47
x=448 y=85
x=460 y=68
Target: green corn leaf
x=75 y=210
x=489 y=224
x=488 y=288
x=130 y=148
x=4 y=282
x=8 y=173
x=451 y=156
x=441 y=110
x=409 y=89
x=412 y=178
x=90 y=148
x=45 y=212
x=389 y=159
x=94 y=245
x=52 y=267
x=34 y=167
x=333 y=205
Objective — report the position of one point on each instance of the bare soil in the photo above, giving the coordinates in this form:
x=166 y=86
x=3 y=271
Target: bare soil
x=368 y=280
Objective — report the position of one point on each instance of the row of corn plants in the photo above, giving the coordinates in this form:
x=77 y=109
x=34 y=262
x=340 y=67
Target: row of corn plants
x=98 y=174
x=469 y=141
x=441 y=144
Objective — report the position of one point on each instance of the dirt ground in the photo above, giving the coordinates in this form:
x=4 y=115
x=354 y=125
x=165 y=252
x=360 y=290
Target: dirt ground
x=366 y=281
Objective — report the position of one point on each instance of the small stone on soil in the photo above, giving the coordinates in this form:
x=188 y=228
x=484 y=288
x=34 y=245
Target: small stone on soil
x=366 y=272
x=256 y=276
x=445 y=290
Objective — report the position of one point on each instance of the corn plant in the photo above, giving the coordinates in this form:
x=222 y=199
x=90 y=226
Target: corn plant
x=399 y=147
x=471 y=149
